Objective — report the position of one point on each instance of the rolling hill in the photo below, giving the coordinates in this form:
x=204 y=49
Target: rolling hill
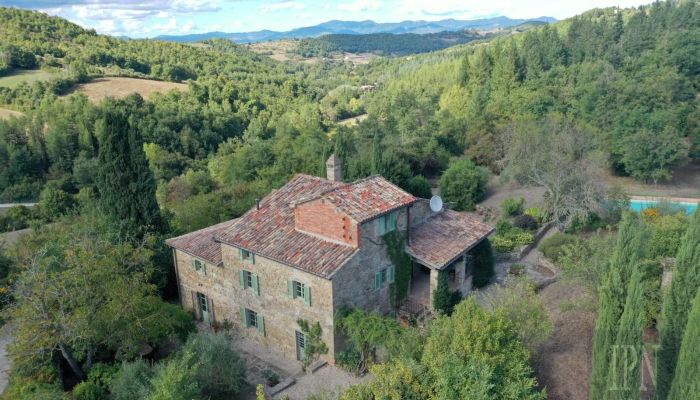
x=359 y=28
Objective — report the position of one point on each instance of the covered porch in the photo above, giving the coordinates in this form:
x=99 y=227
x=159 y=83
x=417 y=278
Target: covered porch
x=441 y=245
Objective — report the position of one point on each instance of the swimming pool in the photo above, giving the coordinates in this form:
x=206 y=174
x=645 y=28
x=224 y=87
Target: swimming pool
x=642 y=204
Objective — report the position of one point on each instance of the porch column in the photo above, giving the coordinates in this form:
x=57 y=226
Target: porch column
x=433 y=284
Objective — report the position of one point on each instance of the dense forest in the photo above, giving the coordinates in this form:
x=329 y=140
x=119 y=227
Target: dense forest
x=385 y=43
x=611 y=88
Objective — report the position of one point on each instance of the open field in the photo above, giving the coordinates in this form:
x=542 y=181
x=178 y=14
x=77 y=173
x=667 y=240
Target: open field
x=118 y=88
x=6 y=114
x=16 y=77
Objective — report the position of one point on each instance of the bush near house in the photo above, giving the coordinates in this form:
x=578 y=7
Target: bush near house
x=463 y=184
x=484 y=263
x=552 y=247
x=513 y=207
x=508 y=237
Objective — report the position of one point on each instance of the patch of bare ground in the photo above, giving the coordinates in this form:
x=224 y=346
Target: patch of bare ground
x=685 y=183
x=118 y=88
x=563 y=363
x=7 y=114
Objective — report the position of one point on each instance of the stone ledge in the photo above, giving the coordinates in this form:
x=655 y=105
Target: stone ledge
x=317 y=365
x=281 y=386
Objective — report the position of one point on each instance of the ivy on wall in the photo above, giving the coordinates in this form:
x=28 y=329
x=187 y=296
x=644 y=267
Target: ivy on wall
x=314 y=345
x=402 y=264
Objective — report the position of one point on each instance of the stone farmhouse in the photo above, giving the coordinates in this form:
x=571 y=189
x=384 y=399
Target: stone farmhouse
x=313 y=246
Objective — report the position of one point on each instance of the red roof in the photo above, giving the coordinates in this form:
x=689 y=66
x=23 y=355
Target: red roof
x=444 y=237
x=368 y=198
x=201 y=243
x=270 y=231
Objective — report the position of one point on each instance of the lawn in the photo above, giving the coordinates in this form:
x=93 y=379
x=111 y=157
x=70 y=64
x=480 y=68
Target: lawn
x=16 y=77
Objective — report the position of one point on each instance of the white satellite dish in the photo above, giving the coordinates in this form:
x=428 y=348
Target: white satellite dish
x=436 y=203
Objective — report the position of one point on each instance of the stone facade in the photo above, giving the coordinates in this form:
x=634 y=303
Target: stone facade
x=307 y=235
x=221 y=286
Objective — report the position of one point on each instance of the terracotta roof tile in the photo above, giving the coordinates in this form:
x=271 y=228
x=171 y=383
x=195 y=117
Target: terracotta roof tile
x=443 y=237
x=368 y=198
x=201 y=243
x=270 y=231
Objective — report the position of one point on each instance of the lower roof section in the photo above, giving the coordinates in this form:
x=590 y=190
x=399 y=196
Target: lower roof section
x=444 y=237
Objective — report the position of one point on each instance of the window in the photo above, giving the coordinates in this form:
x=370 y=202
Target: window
x=248 y=279
x=387 y=223
x=251 y=319
x=300 y=340
x=199 y=266
x=298 y=290
x=246 y=256
x=384 y=276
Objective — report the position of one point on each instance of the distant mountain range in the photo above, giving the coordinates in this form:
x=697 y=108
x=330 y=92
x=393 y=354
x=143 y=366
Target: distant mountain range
x=359 y=28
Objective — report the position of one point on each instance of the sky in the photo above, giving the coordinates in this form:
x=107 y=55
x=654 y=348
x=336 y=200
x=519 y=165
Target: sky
x=149 y=18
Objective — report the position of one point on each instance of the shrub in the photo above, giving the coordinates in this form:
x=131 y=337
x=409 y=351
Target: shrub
x=419 y=187
x=463 y=184
x=221 y=371
x=96 y=387
x=484 y=263
x=445 y=301
x=552 y=246
x=131 y=381
x=665 y=234
x=535 y=213
x=502 y=244
x=525 y=221
x=513 y=207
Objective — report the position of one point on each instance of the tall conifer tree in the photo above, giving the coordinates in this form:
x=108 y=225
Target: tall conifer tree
x=677 y=303
x=606 y=327
x=126 y=185
x=624 y=368
x=686 y=382
x=612 y=299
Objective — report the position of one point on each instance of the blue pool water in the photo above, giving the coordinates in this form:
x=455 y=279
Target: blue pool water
x=639 y=205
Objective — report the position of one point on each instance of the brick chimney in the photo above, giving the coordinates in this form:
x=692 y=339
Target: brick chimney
x=334 y=169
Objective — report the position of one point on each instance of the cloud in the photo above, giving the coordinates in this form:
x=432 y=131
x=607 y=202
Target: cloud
x=361 y=6
x=281 y=5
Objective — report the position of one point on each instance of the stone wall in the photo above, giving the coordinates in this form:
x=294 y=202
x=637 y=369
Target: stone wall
x=281 y=313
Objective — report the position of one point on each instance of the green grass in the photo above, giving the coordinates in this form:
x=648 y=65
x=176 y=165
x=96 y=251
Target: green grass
x=16 y=77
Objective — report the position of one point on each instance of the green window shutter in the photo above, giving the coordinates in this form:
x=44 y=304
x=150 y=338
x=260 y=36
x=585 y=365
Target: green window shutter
x=241 y=279
x=204 y=269
x=256 y=285
x=261 y=324
x=290 y=288
x=392 y=220
x=391 y=274
x=252 y=258
x=244 y=317
x=192 y=264
x=307 y=295
x=240 y=254
x=378 y=280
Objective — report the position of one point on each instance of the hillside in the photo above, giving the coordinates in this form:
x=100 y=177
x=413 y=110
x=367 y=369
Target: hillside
x=360 y=28
x=384 y=43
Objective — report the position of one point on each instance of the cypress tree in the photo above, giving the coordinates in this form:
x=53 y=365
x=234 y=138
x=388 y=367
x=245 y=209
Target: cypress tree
x=677 y=303
x=686 y=382
x=624 y=369
x=606 y=327
x=612 y=301
x=126 y=185
x=627 y=248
